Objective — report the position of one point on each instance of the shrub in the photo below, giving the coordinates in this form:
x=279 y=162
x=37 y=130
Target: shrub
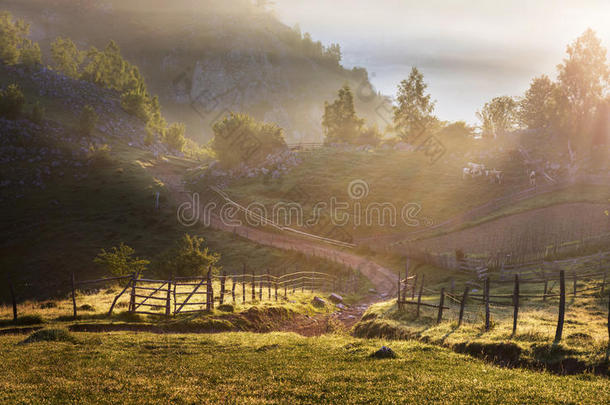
x=174 y=136
x=135 y=102
x=120 y=260
x=30 y=54
x=188 y=257
x=87 y=121
x=239 y=138
x=67 y=57
x=11 y=102
x=12 y=33
x=50 y=335
x=24 y=320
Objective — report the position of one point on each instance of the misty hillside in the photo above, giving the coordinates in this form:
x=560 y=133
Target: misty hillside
x=204 y=58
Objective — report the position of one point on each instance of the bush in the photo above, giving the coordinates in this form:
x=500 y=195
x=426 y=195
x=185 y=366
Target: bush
x=25 y=320
x=11 y=102
x=12 y=34
x=174 y=137
x=50 y=335
x=120 y=260
x=188 y=257
x=67 y=57
x=30 y=54
x=239 y=138
x=87 y=121
x=136 y=102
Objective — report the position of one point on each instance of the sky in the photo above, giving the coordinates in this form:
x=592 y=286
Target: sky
x=469 y=51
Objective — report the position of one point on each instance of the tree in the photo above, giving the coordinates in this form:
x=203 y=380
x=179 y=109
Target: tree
x=12 y=101
x=583 y=77
x=87 y=121
x=539 y=107
x=413 y=114
x=12 y=35
x=188 y=257
x=30 y=54
x=119 y=261
x=67 y=57
x=340 y=122
x=239 y=138
x=174 y=136
x=498 y=116
x=334 y=52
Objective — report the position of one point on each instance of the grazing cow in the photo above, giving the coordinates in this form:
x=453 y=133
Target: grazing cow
x=466 y=173
x=497 y=176
x=533 y=178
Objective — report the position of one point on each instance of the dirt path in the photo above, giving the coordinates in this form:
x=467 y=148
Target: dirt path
x=383 y=279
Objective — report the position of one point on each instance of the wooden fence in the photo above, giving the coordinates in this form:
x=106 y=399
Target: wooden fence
x=549 y=279
x=196 y=294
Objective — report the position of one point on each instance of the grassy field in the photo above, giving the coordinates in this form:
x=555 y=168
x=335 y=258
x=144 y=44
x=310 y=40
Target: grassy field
x=585 y=332
x=267 y=368
x=400 y=178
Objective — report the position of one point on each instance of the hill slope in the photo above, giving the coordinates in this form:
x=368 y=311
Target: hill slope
x=204 y=58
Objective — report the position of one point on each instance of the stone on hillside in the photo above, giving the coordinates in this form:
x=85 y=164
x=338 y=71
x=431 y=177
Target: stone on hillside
x=336 y=298
x=384 y=353
x=372 y=291
x=341 y=306
x=318 y=302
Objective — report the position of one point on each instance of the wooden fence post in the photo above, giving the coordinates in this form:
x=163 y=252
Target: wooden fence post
x=601 y=294
x=74 y=294
x=243 y=285
x=462 y=305
x=168 y=300
x=414 y=287
x=406 y=283
x=285 y=281
x=119 y=296
x=398 y=304
x=260 y=290
x=440 y=306
x=275 y=287
x=253 y=287
x=223 y=280
x=132 y=297
x=268 y=286
x=13 y=299
x=515 y=303
x=487 y=315
x=609 y=318
x=233 y=288
x=421 y=290
x=562 y=306
x=209 y=296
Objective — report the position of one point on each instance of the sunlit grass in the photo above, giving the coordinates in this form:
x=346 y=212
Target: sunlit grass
x=267 y=368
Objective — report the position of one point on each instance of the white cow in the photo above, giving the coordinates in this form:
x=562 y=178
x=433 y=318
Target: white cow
x=533 y=178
